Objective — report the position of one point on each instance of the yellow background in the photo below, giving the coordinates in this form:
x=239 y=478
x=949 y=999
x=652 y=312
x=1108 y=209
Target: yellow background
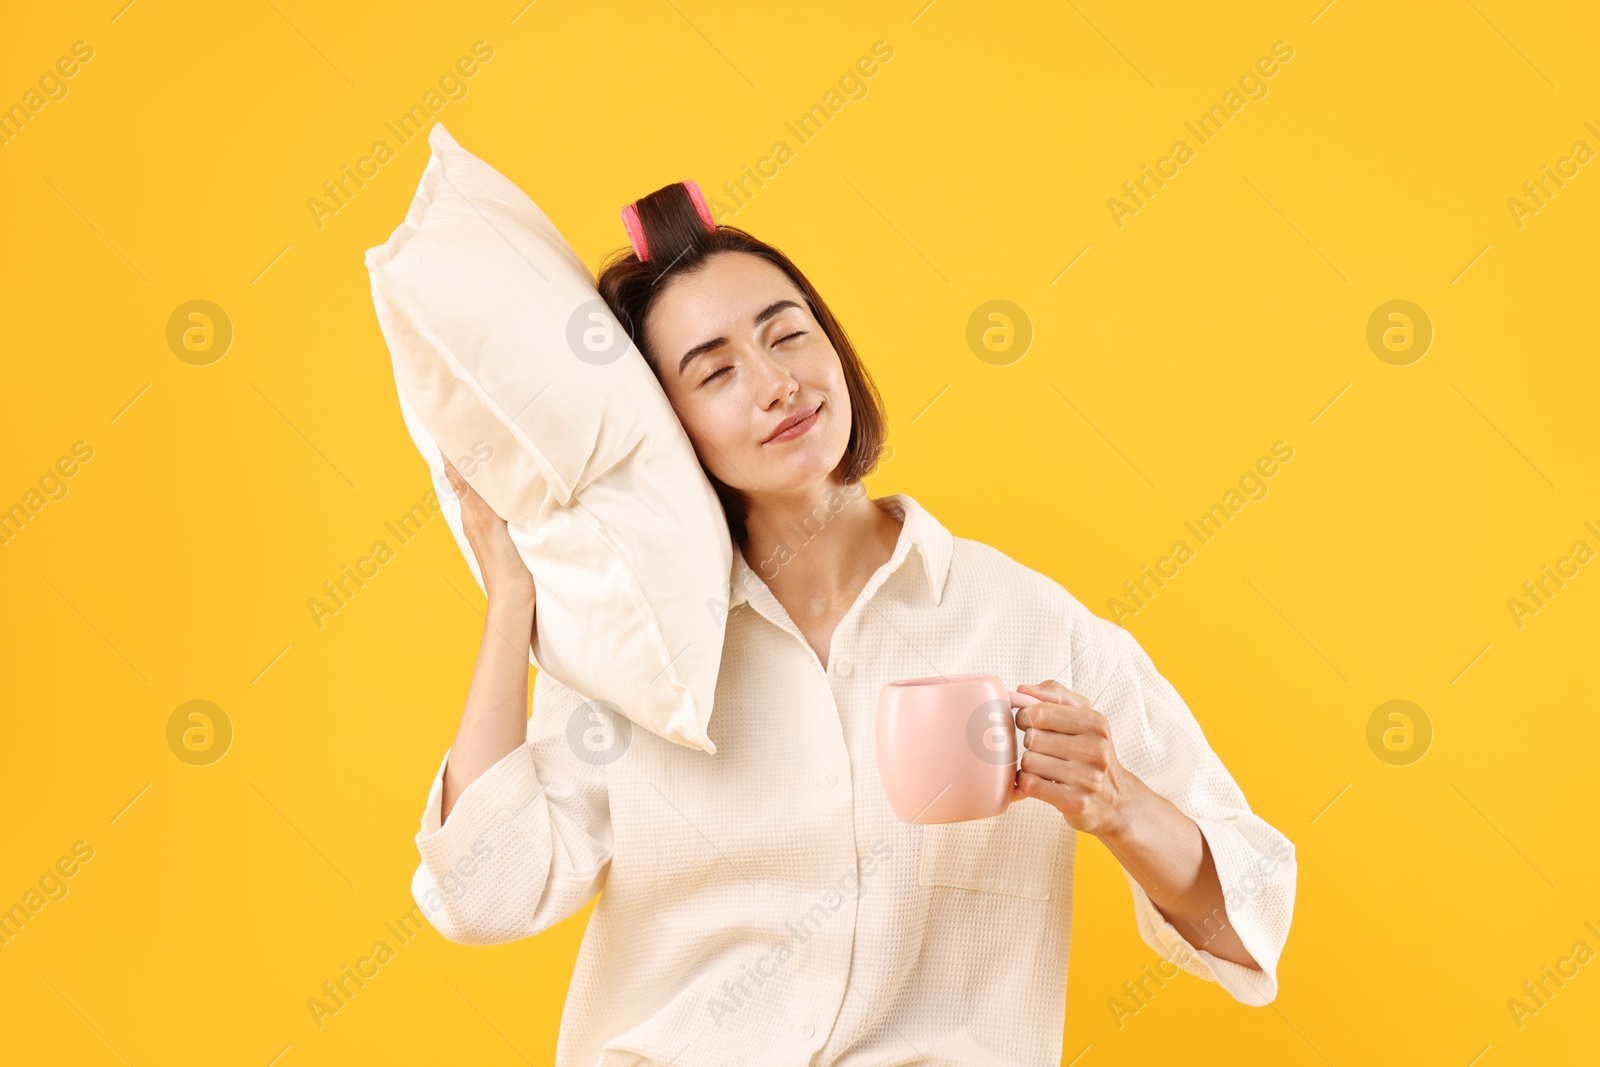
x=1224 y=316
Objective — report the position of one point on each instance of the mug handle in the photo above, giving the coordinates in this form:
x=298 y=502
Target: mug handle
x=1018 y=700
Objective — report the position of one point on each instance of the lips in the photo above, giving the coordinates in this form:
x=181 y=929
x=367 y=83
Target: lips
x=794 y=420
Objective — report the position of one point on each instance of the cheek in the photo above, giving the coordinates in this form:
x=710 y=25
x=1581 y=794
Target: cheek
x=839 y=394
x=720 y=431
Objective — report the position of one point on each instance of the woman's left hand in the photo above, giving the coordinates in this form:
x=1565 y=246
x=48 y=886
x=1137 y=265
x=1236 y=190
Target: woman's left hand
x=1069 y=761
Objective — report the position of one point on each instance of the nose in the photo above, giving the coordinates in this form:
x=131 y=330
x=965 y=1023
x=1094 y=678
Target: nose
x=776 y=382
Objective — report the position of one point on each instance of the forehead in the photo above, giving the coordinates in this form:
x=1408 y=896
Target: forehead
x=726 y=295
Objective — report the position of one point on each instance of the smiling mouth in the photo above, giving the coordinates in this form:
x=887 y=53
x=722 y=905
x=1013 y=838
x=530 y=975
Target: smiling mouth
x=799 y=428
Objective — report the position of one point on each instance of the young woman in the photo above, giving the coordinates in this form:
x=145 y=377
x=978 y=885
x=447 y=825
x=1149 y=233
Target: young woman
x=764 y=905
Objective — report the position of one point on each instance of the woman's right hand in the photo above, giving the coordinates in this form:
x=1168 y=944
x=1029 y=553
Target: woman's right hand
x=506 y=578
x=495 y=720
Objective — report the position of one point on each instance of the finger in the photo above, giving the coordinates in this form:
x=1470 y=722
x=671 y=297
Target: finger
x=1017 y=791
x=1053 y=793
x=1079 y=748
x=1067 y=773
x=1054 y=692
x=1064 y=719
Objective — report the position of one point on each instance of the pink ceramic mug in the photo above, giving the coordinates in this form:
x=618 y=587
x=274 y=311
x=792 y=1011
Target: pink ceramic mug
x=948 y=747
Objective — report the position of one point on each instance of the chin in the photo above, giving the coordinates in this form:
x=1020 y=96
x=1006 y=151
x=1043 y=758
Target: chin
x=800 y=469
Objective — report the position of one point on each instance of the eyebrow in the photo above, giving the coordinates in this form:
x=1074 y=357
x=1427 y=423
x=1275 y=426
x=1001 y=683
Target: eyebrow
x=717 y=342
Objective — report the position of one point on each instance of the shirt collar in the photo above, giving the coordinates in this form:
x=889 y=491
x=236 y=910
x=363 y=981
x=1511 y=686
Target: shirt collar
x=919 y=530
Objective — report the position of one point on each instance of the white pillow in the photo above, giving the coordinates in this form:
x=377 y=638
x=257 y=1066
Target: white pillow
x=505 y=355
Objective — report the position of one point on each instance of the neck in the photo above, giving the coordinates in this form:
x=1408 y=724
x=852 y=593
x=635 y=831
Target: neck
x=811 y=548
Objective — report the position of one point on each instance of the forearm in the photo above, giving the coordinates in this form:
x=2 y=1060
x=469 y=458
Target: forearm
x=1165 y=852
x=495 y=719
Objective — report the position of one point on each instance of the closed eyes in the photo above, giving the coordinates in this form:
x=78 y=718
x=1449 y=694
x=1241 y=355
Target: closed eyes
x=718 y=373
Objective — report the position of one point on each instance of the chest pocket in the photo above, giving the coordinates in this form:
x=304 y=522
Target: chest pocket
x=1016 y=853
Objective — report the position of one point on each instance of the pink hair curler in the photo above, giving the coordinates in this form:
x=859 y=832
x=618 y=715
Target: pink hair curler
x=631 y=223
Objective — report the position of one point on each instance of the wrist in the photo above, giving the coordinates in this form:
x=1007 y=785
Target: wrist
x=511 y=607
x=1128 y=813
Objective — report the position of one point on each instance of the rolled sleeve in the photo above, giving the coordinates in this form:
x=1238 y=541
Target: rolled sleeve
x=1158 y=739
x=527 y=843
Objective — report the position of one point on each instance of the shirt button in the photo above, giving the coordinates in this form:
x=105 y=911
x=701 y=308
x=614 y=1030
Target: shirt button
x=827 y=780
x=807 y=1032
x=843 y=667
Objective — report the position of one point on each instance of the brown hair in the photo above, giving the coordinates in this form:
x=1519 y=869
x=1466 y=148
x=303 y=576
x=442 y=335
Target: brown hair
x=677 y=241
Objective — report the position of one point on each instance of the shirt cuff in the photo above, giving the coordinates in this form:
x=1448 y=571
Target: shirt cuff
x=503 y=791
x=1246 y=876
